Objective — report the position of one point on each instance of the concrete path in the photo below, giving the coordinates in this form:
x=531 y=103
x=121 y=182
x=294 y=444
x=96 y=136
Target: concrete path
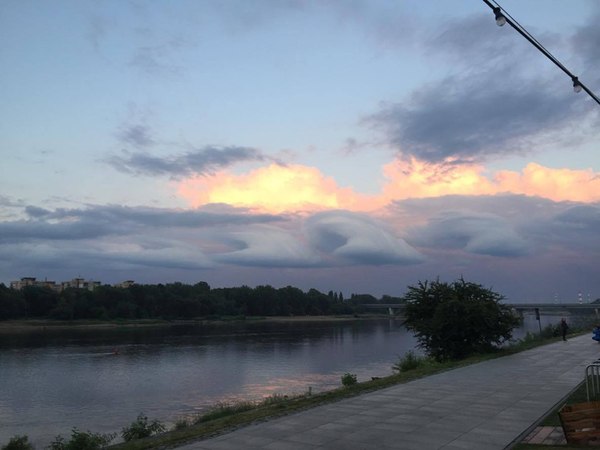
x=484 y=406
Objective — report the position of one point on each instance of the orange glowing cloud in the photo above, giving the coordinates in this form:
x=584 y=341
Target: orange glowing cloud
x=277 y=188
x=555 y=184
x=273 y=189
x=417 y=179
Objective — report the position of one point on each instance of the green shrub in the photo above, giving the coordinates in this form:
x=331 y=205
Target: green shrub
x=18 y=443
x=140 y=428
x=349 y=379
x=181 y=423
x=82 y=440
x=459 y=319
x=410 y=361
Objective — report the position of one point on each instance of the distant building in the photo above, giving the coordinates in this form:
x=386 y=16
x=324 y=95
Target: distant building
x=25 y=281
x=77 y=283
x=80 y=283
x=125 y=284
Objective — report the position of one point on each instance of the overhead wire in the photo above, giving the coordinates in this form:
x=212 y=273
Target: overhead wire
x=495 y=6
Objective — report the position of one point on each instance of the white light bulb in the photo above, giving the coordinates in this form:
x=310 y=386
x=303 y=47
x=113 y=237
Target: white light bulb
x=500 y=19
x=577 y=87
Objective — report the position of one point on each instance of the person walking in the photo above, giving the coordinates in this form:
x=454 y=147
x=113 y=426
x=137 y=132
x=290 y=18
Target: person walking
x=564 y=327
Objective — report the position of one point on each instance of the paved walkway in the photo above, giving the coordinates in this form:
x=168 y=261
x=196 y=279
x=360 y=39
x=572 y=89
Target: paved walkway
x=484 y=406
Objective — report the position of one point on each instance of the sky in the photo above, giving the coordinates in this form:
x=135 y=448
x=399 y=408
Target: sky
x=354 y=146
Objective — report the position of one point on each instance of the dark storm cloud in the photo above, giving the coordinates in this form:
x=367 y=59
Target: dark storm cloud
x=201 y=161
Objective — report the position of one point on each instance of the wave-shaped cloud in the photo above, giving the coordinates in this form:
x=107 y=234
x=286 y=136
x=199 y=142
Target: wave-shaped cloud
x=358 y=239
x=486 y=234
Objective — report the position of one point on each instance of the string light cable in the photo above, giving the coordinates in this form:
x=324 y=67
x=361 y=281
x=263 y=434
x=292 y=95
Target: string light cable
x=503 y=17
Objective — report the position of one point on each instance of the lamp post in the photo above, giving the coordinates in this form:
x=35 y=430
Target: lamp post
x=503 y=18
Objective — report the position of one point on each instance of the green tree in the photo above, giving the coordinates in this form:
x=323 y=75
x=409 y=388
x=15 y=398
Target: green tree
x=12 y=303
x=455 y=320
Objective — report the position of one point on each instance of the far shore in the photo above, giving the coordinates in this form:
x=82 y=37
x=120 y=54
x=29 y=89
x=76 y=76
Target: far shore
x=17 y=326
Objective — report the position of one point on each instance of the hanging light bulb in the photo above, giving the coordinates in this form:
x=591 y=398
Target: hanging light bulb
x=576 y=85
x=500 y=19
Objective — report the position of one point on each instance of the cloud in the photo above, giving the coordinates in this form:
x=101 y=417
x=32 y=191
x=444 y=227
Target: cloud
x=586 y=44
x=52 y=256
x=268 y=247
x=137 y=135
x=471 y=119
x=492 y=103
x=358 y=239
x=98 y=27
x=203 y=161
x=418 y=179
x=575 y=228
x=156 y=59
x=274 y=188
x=479 y=233
x=297 y=188
x=100 y=221
x=555 y=184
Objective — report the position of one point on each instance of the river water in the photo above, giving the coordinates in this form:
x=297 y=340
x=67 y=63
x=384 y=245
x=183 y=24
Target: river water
x=100 y=380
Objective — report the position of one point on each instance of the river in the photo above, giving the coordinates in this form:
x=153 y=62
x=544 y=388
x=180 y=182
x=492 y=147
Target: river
x=100 y=380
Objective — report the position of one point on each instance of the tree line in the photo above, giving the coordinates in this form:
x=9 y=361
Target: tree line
x=175 y=301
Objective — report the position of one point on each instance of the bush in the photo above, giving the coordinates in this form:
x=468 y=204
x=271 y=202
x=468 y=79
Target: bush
x=349 y=379
x=82 y=440
x=410 y=361
x=140 y=428
x=18 y=443
x=181 y=423
x=453 y=321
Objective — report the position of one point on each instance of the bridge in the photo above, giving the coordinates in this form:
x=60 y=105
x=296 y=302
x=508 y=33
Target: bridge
x=398 y=308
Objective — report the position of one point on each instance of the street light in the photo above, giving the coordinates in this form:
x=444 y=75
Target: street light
x=502 y=18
